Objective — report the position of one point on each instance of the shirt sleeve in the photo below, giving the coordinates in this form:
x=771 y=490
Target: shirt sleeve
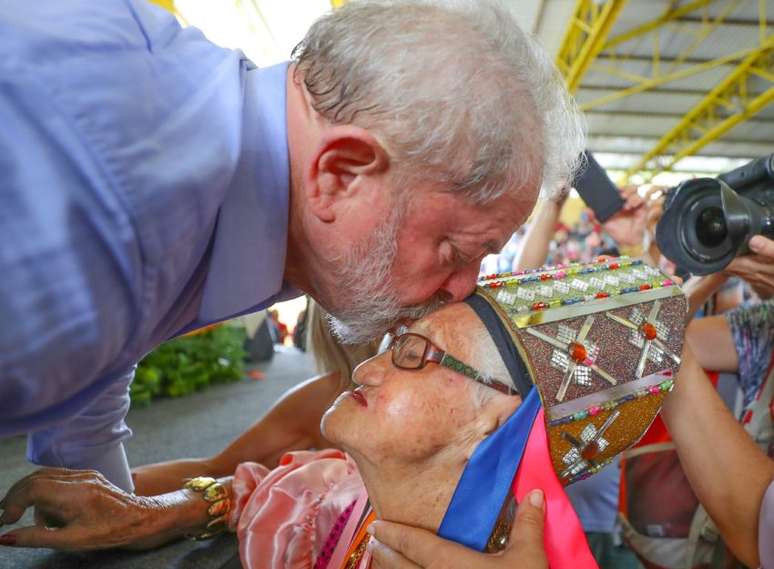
x=752 y=328
x=108 y=181
x=91 y=440
x=70 y=270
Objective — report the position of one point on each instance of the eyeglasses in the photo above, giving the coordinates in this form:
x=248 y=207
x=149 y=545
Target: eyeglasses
x=413 y=351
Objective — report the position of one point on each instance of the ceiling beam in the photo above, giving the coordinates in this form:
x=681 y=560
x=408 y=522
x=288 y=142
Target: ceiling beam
x=675 y=65
x=730 y=22
x=587 y=32
x=648 y=83
x=670 y=15
x=167 y=4
x=657 y=91
x=654 y=139
x=724 y=107
x=606 y=57
x=665 y=115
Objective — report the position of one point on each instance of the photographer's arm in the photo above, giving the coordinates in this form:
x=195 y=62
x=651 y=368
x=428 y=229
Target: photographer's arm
x=293 y=423
x=726 y=470
x=699 y=289
x=712 y=343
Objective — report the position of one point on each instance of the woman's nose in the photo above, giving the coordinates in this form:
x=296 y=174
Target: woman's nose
x=371 y=372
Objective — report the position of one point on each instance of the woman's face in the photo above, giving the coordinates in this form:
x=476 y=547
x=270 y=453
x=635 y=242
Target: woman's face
x=407 y=416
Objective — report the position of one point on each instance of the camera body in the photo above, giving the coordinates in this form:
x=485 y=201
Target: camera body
x=707 y=222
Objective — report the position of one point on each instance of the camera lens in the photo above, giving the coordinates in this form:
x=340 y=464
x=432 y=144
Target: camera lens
x=711 y=227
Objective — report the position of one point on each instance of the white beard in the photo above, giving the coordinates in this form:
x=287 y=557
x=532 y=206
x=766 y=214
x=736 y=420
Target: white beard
x=370 y=305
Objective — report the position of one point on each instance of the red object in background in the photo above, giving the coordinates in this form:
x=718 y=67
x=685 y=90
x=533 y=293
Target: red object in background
x=256 y=375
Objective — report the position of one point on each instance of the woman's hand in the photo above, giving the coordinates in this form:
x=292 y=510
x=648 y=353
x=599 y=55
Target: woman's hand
x=403 y=547
x=78 y=510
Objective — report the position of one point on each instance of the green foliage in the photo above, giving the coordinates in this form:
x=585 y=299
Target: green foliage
x=190 y=363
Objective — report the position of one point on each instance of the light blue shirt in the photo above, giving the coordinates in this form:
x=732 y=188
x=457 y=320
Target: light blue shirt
x=144 y=189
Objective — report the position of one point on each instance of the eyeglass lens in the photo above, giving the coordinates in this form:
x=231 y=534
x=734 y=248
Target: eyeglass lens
x=409 y=351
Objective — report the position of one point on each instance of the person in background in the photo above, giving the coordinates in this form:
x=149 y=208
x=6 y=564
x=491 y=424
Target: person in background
x=279 y=327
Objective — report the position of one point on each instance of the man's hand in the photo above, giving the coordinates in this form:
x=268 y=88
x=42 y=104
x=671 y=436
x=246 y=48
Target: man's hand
x=758 y=268
x=395 y=546
x=79 y=510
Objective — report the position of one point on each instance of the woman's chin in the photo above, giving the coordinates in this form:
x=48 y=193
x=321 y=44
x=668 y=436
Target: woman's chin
x=331 y=424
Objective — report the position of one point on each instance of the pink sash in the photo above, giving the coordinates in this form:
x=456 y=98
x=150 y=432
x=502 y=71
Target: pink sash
x=564 y=538
x=348 y=534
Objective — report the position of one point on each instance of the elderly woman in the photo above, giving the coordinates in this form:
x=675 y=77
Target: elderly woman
x=408 y=430
x=445 y=432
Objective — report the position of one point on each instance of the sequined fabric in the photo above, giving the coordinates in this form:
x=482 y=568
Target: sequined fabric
x=602 y=342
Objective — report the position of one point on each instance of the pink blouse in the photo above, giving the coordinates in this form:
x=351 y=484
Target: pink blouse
x=292 y=516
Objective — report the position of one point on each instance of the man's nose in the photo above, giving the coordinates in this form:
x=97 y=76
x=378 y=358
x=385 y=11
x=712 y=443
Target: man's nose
x=370 y=373
x=461 y=283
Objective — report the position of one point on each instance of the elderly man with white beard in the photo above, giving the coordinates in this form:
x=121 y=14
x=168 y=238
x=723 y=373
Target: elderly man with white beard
x=155 y=183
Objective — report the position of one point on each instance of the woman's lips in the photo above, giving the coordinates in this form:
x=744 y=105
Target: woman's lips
x=360 y=398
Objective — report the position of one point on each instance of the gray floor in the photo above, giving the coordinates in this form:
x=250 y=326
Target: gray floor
x=167 y=429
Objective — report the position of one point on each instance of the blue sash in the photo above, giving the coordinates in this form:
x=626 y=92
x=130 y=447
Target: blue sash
x=488 y=478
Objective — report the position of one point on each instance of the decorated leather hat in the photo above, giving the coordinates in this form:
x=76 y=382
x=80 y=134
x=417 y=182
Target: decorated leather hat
x=602 y=343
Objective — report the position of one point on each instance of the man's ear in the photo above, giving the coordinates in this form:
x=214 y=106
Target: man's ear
x=345 y=153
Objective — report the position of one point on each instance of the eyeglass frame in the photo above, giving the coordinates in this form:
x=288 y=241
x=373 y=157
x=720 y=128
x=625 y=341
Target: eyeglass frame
x=436 y=355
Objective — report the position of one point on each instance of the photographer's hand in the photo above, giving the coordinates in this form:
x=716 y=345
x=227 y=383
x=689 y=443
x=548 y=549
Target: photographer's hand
x=757 y=269
x=628 y=225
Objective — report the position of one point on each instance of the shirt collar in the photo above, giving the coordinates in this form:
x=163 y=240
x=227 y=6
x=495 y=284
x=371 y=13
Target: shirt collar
x=248 y=253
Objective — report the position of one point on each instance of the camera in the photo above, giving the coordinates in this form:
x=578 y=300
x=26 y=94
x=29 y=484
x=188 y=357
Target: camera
x=707 y=222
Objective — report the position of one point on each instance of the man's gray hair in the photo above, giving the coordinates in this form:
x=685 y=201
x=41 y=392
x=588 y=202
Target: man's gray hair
x=453 y=89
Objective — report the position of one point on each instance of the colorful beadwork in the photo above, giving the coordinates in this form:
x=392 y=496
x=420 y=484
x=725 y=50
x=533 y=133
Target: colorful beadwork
x=663 y=387
x=582 y=452
x=560 y=285
x=649 y=334
x=574 y=356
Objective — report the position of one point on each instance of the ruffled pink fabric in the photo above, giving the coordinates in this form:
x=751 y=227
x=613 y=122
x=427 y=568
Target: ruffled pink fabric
x=284 y=516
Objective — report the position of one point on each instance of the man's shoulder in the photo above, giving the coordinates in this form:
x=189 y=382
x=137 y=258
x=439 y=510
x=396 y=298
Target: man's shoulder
x=143 y=108
x=130 y=52
x=75 y=25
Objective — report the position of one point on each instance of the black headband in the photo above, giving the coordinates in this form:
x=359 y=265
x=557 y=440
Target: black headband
x=502 y=339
